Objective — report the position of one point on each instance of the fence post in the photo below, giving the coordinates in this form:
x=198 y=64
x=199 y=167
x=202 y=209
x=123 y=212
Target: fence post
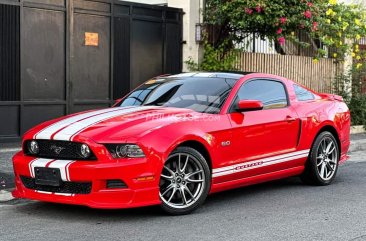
x=347 y=69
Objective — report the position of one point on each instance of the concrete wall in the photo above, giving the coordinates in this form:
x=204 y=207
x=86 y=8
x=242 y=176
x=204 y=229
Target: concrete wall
x=362 y=2
x=154 y=2
x=192 y=16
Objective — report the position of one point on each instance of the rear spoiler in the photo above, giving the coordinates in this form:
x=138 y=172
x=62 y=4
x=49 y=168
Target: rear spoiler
x=331 y=96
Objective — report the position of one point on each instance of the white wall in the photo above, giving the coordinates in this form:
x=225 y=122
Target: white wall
x=154 y=2
x=192 y=10
x=261 y=46
x=362 y=2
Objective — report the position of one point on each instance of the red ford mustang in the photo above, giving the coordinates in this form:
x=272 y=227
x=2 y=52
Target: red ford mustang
x=175 y=139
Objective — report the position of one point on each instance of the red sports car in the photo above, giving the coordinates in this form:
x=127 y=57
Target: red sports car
x=176 y=139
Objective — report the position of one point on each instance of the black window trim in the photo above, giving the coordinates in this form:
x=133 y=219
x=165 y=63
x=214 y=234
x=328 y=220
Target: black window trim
x=234 y=101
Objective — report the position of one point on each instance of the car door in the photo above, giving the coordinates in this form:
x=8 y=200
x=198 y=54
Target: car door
x=262 y=137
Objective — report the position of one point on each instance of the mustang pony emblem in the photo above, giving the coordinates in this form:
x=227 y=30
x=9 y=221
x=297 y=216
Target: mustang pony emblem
x=57 y=149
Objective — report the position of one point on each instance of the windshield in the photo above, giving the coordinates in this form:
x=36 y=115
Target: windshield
x=206 y=95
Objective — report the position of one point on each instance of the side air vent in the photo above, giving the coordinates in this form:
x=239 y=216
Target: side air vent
x=111 y=184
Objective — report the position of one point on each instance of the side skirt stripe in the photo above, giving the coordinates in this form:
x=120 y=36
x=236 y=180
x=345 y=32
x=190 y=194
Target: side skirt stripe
x=241 y=167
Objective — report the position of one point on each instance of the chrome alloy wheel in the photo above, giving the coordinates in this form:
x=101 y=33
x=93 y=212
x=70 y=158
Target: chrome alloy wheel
x=327 y=157
x=182 y=181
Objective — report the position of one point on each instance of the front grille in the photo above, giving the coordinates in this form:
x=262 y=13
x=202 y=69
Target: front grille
x=66 y=187
x=69 y=150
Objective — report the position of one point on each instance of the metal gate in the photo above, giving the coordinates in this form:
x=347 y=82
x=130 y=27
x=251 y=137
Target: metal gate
x=63 y=56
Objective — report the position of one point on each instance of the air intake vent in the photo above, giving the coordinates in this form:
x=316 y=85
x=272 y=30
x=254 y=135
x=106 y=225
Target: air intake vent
x=66 y=187
x=116 y=184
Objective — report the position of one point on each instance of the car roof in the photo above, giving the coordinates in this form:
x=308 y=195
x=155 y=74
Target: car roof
x=225 y=75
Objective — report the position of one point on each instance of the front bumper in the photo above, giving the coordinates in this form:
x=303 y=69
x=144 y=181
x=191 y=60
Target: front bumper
x=140 y=176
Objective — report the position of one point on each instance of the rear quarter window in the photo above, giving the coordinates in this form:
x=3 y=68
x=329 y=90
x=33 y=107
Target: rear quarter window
x=303 y=94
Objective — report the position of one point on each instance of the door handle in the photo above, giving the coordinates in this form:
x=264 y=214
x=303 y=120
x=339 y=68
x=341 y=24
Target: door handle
x=290 y=118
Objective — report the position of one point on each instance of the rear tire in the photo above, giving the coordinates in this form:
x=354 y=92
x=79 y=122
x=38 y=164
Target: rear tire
x=322 y=164
x=184 y=182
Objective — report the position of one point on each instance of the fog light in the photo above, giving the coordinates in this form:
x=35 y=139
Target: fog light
x=33 y=147
x=85 y=151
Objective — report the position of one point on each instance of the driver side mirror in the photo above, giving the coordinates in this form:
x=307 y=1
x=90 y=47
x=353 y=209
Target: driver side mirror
x=249 y=105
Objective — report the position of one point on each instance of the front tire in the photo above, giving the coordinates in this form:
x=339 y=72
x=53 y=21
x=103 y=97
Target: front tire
x=322 y=165
x=184 y=182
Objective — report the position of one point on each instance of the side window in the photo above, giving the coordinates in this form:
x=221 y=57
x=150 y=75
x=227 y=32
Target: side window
x=271 y=93
x=303 y=94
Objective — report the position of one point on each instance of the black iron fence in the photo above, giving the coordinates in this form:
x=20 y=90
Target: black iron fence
x=63 y=56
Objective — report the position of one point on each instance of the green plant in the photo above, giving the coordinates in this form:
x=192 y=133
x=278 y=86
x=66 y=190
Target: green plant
x=355 y=99
x=357 y=106
x=279 y=20
x=215 y=59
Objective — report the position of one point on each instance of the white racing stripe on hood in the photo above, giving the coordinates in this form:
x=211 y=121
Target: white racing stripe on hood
x=48 y=131
x=72 y=130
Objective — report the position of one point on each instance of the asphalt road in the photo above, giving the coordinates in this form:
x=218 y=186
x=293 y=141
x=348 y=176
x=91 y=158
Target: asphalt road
x=280 y=210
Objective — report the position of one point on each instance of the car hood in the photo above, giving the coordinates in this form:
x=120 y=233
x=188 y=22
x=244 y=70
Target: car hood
x=112 y=124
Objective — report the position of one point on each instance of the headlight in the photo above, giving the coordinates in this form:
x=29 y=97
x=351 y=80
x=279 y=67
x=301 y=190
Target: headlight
x=33 y=147
x=125 y=150
x=85 y=151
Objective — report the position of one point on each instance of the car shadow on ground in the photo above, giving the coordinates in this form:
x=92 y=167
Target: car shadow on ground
x=232 y=198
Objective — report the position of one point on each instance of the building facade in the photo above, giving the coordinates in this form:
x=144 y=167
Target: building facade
x=63 y=56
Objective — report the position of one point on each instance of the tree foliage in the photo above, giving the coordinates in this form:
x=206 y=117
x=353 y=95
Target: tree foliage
x=215 y=59
x=279 y=20
x=356 y=99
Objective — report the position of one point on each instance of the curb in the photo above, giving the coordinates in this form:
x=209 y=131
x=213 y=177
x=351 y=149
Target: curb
x=358 y=145
x=357 y=129
x=4 y=150
x=5 y=196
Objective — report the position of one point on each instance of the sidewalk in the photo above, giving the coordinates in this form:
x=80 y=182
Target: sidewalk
x=358 y=142
x=9 y=147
